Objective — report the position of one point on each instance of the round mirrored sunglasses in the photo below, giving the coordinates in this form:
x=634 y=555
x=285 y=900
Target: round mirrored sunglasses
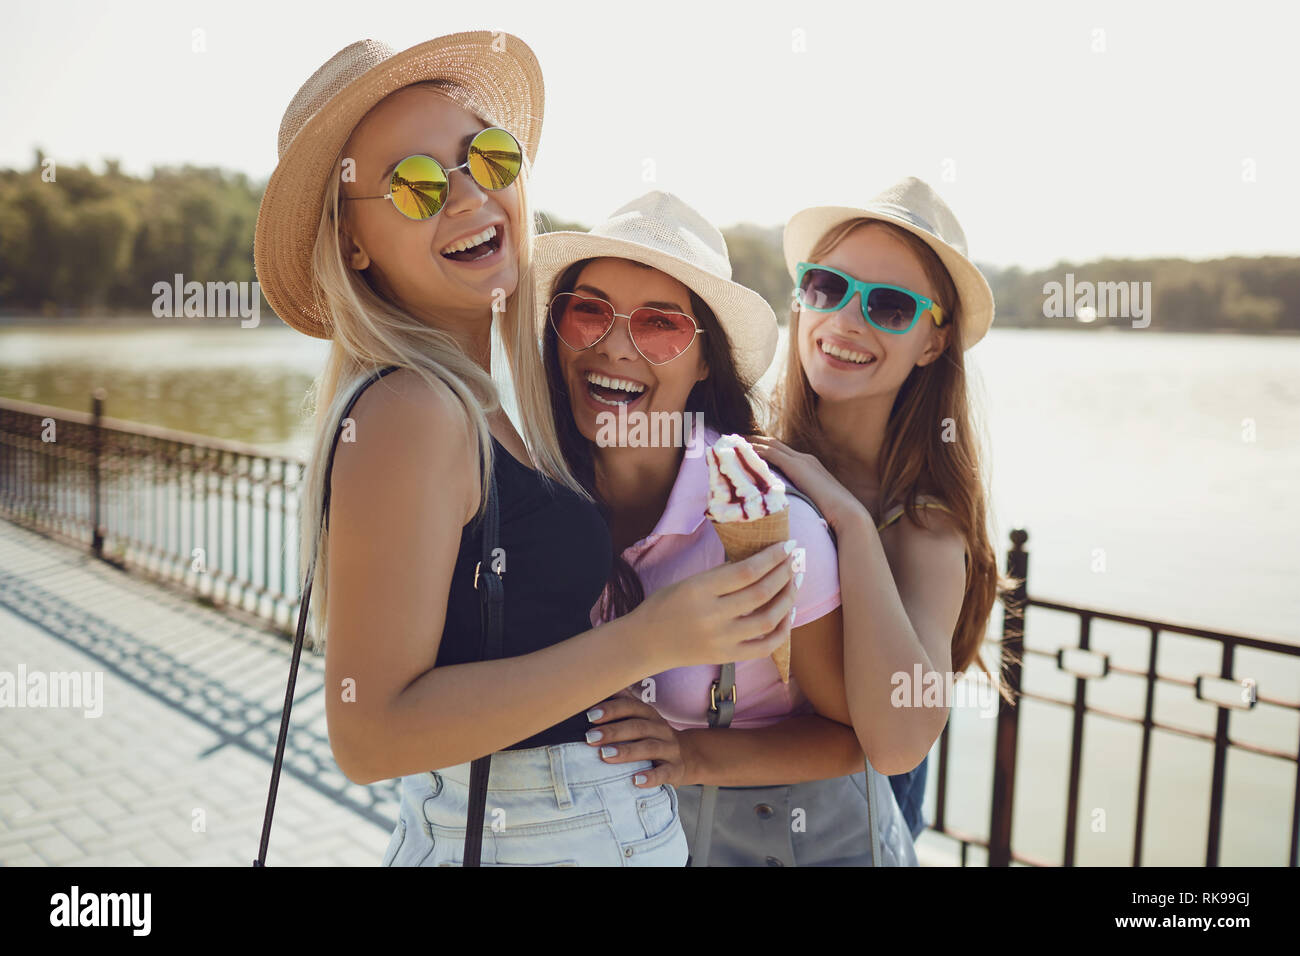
x=419 y=184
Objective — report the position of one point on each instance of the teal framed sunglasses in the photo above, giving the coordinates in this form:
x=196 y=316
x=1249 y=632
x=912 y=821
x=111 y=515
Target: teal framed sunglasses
x=889 y=308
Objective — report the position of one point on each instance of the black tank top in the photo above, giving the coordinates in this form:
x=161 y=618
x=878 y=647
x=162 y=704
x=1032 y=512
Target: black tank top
x=558 y=554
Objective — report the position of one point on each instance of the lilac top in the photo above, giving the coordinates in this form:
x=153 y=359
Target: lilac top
x=683 y=543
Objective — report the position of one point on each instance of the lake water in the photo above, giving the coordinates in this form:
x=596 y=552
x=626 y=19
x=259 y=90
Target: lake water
x=1155 y=473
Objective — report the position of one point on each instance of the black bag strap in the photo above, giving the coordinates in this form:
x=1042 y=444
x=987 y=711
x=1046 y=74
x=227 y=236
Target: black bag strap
x=302 y=624
x=722 y=707
x=491 y=589
x=492 y=595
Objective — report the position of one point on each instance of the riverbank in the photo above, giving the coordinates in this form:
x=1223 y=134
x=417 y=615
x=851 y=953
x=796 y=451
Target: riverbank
x=269 y=320
x=132 y=320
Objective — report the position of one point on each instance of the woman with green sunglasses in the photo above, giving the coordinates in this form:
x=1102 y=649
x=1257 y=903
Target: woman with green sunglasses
x=872 y=421
x=887 y=308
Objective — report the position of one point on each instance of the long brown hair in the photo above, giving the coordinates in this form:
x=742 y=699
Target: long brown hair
x=723 y=399
x=930 y=445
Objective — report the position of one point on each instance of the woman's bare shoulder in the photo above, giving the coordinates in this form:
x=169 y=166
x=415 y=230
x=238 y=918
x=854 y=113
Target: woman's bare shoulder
x=935 y=535
x=407 y=392
x=406 y=432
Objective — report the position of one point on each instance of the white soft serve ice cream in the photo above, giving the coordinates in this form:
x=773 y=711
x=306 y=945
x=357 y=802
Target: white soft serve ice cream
x=741 y=486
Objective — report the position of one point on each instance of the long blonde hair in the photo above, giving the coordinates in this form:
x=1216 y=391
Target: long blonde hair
x=370 y=332
x=914 y=458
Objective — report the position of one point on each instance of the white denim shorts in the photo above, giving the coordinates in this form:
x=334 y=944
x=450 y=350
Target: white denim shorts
x=547 y=806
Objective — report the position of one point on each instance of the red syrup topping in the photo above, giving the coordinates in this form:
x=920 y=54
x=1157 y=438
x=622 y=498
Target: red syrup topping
x=760 y=482
x=735 y=495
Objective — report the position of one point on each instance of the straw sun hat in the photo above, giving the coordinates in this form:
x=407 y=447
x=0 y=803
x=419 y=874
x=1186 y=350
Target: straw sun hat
x=661 y=231
x=912 y=205
x=504 y=83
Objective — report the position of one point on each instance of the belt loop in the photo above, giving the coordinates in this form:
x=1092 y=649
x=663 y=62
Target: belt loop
x=563 y=798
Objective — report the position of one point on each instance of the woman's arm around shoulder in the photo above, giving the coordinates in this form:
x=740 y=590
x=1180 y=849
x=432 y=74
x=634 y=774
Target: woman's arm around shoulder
x=899 y=610
x=817 y=640
x=928 y=562
x=913 y=605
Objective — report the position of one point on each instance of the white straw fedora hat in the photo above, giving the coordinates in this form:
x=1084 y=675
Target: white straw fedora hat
x=912 y=205
x=498 y=77
x=663 y=232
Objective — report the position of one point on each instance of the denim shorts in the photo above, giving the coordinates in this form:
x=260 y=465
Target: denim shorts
x=817 y=823
x=546 y=806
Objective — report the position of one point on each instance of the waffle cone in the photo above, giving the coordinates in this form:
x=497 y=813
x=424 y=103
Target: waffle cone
x=742 y=539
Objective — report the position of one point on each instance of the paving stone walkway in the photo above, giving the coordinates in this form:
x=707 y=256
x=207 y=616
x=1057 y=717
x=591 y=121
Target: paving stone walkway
x=175 y=769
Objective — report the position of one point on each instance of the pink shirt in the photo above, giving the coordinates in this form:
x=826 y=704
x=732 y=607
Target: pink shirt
x=683 y=543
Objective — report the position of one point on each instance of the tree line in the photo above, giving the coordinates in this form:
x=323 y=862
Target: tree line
x=75 y=241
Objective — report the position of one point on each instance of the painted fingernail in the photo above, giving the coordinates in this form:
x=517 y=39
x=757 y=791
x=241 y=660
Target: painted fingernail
x=792 y=613
x=798 y=580
x=593 y=736
x=609 y=751
x=789 y=545
x=595 y=713
x=639 y=778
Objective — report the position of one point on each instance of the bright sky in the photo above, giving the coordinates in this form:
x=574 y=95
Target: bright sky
x=1055 y=131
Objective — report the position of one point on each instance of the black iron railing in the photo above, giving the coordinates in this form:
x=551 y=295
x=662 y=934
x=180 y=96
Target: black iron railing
x=216 y=517
x=220 y=518
x=1225 y=691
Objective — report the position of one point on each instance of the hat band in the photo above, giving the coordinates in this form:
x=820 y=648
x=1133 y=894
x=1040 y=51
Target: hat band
x=901 y=212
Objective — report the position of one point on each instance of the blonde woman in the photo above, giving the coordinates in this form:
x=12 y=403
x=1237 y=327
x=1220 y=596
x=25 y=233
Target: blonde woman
x=874 y=425
x=397 y=226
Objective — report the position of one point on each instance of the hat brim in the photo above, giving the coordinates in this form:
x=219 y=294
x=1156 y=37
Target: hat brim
x=807 y=226
x=744 y=315
x=501 y=72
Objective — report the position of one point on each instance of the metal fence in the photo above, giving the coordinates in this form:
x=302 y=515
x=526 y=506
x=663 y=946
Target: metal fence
x=220 y=518
x=216 y=517
x=1226 y=691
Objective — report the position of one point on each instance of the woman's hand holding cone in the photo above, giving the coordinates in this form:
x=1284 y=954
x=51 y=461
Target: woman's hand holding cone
x=734 y=612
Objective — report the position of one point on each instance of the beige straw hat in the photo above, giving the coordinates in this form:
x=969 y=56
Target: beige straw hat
x=660 y=230
x=912 y=205
x=504 y=84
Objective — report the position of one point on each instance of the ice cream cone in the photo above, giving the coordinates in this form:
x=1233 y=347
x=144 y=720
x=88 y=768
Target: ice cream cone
x=741 y=539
